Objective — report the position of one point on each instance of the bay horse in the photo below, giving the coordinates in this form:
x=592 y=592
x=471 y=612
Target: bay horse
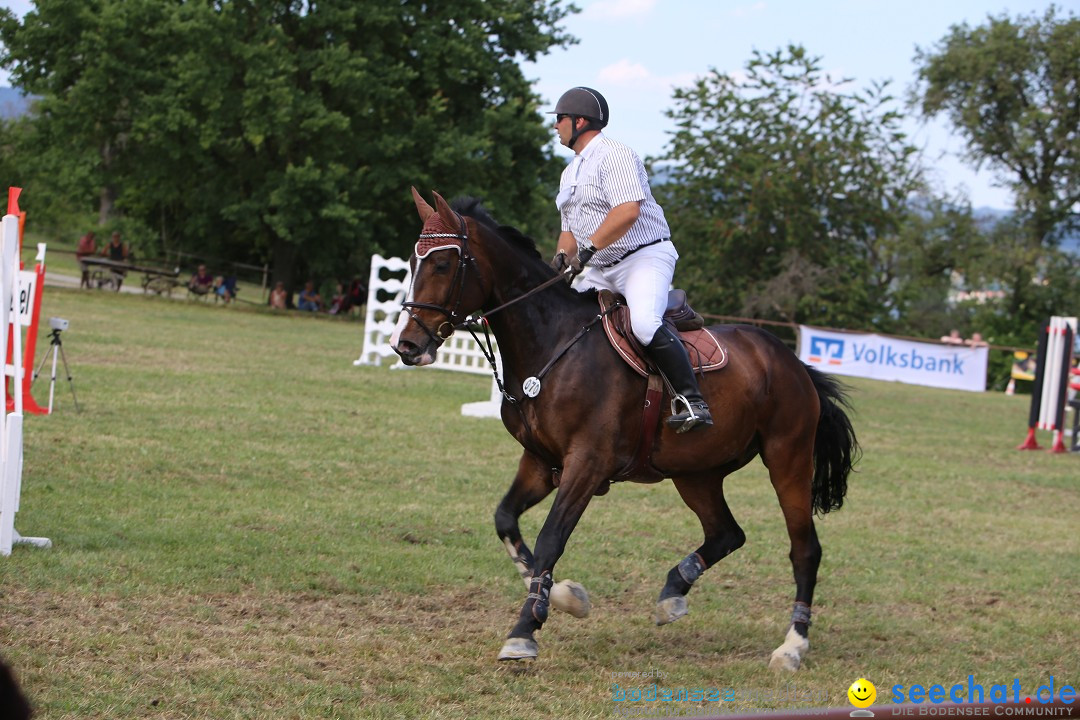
x=579 y=423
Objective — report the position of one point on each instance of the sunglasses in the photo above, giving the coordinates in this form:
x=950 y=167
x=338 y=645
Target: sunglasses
x=560 y=117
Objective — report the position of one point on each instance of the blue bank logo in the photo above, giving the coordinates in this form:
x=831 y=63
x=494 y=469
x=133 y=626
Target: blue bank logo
x=828 y=350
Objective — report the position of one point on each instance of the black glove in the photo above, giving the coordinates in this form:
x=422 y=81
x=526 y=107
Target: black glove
x=578 y=263
x=559 y=263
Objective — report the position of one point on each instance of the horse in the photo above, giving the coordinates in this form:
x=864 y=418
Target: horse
x=579 y=422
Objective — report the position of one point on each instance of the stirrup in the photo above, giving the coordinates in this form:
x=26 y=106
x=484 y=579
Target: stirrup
x=695 y=415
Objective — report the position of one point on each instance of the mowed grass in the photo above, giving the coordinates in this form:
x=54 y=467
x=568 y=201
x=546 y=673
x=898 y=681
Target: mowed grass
x=245 y=525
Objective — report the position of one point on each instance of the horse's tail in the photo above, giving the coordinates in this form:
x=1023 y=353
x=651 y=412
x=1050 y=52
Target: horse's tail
x=835 y=447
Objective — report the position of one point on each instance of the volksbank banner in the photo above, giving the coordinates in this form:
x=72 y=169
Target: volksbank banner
x=884 y=358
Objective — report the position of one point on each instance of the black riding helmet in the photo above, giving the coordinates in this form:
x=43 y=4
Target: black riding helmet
x=583 y=102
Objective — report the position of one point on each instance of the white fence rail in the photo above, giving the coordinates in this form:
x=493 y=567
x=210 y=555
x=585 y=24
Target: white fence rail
x=387 y=287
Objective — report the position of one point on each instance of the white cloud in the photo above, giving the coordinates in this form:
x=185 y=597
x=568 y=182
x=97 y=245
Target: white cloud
x=747 y=10
x=625 y=73
x=618 y=9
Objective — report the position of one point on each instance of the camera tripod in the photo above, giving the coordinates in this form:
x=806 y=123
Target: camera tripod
x=57 y=348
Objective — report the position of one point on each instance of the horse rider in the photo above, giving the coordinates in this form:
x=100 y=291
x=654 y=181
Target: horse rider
x=615 y=237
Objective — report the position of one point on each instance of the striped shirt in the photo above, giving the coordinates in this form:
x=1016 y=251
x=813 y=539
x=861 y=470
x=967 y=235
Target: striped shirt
x=607 y=173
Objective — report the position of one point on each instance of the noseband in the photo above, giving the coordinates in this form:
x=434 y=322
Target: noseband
x=458 y=241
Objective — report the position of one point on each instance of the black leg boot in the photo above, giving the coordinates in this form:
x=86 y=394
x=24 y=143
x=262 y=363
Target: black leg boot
x=667 y=351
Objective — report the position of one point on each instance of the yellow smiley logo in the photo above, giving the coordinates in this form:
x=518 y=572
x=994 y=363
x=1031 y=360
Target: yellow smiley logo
x=862 y=693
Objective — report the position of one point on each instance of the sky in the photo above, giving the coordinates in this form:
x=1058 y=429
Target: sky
x=636 y=51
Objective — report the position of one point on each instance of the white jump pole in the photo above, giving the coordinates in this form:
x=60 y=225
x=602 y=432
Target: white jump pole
x=12 y=424
x=9 y=491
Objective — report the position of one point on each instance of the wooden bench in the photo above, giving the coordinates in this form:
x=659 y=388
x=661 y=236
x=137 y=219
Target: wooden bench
x=160 y=282
x=104 y=273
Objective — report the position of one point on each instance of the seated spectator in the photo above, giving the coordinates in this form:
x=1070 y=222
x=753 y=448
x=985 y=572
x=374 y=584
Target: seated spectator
x=225 y=288
x=953 y=338
x=117 y=252
x=278 y=297
x=201 y=282
x=355 y=296
x=337 y=302
x=309 y=299
x=87 y=247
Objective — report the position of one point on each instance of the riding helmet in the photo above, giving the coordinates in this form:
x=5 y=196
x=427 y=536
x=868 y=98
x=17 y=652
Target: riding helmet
x=583 y=102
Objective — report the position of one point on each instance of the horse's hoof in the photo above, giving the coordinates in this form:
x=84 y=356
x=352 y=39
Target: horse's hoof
x=788 y=657
x=671 y=609
x=519 y=649
x=784 y=661
x=570 y=597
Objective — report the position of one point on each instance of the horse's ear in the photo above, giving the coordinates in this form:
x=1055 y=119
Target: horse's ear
x=422 y=207
x=442 y=206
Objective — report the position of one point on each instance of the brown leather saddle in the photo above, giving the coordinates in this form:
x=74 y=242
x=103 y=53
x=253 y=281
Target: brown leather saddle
x=706 y=354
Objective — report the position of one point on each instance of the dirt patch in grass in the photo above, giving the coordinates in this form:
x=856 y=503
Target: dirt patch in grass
x=181 y=656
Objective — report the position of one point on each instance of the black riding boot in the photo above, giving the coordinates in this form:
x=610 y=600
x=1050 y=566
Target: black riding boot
x=667 y=351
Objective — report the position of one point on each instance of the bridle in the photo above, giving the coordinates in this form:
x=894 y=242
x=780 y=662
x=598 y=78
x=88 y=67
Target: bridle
x=454 y=318
x=451 y=308
x=459 y=241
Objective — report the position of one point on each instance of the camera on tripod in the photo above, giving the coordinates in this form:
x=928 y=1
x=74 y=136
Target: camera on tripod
x=58 y=325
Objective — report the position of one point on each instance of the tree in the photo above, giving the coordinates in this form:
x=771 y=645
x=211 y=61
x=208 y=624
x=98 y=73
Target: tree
x=290 y=131
x=89 y=70
x=1011 y=88
x=787 y=193
x=937 y=241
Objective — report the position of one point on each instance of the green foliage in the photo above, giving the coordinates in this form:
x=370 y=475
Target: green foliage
x=938 y=238
x=56 y=183
x=788 y=192
x=1046 y=280
x=1010 y=88
x=286 y=131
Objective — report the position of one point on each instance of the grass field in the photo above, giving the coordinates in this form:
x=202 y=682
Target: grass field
x=245 y=525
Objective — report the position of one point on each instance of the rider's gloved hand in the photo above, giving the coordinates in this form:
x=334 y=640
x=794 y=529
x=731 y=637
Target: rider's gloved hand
x=560 y=262
x=578 y=263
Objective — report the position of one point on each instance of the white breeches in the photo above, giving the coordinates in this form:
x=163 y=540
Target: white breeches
x=644 y=279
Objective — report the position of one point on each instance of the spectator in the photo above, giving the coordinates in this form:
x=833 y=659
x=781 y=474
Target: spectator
x=976 y=340
x=337 y=302
x=201 y=282
x=355 y=296
x=953 y=338
x=225 y=288
x=278 y=296
x=87 y=247
x=309 y=299
x=118 y=253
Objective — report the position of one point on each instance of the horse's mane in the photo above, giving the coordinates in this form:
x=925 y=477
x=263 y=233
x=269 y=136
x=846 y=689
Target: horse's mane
x=474 y=208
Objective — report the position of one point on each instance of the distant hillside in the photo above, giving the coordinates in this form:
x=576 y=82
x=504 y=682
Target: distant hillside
x=1070 y=243
x=13 y=103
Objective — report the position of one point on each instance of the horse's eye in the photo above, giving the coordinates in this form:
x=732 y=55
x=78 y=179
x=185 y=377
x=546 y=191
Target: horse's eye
x=442 y=266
